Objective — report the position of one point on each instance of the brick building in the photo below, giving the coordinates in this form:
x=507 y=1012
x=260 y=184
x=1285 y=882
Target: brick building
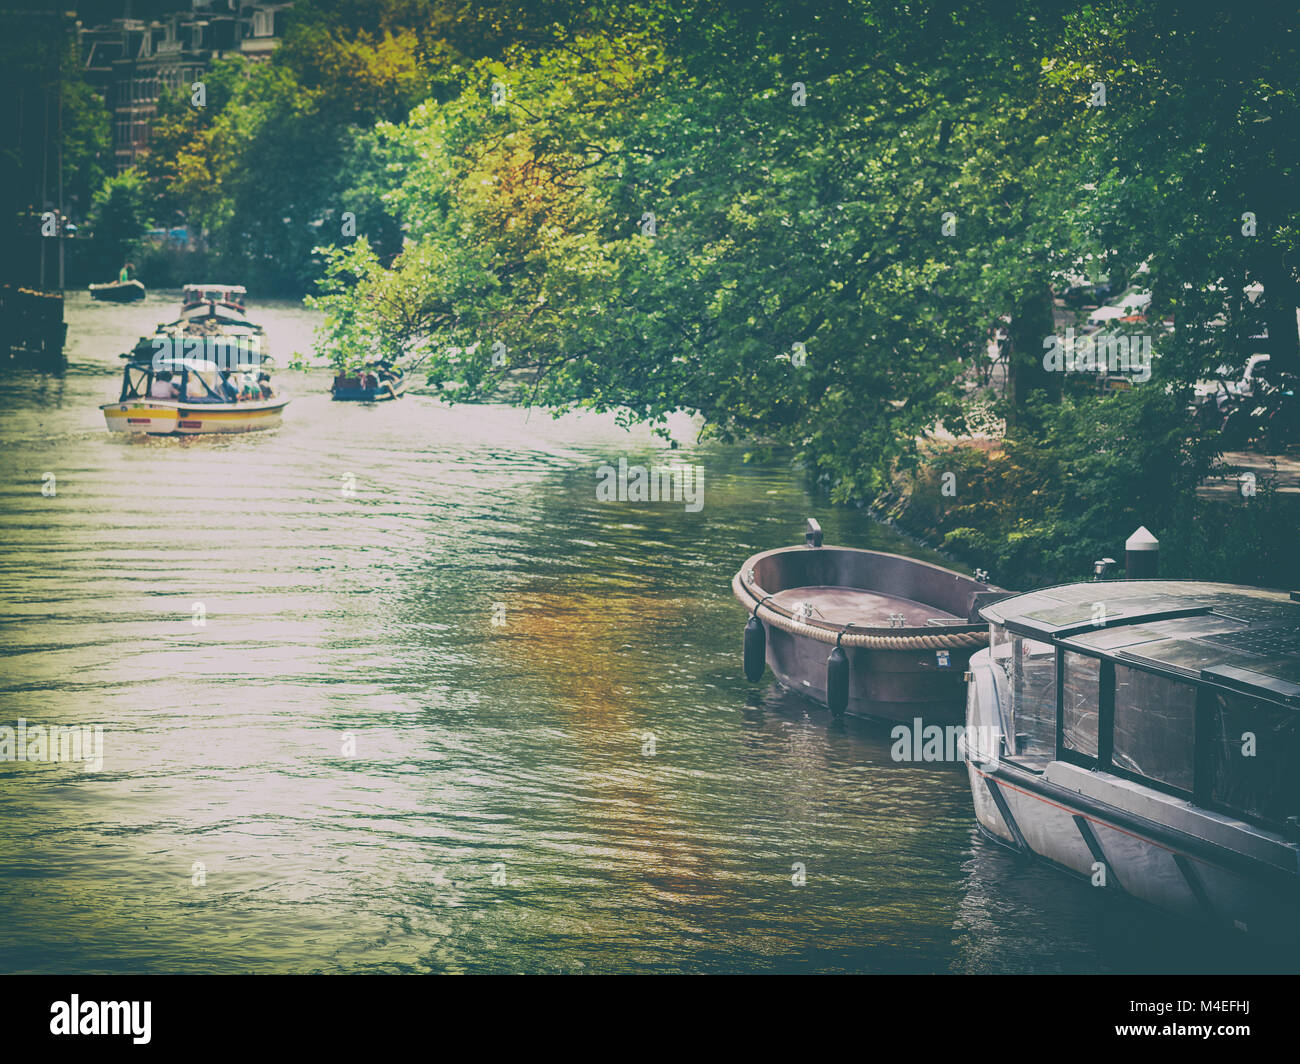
x=132 y=60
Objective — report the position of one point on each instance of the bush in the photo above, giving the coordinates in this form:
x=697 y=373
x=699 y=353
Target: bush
x=1041 y=508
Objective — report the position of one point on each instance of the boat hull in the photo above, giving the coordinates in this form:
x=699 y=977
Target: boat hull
x=160 y=417
x=384 y=393
x=118 y=292
x=1157 y=849
x=893 y=685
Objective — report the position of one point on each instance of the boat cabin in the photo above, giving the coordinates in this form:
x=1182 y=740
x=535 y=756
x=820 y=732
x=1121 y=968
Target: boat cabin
x=197 y=380
x=1189 y=688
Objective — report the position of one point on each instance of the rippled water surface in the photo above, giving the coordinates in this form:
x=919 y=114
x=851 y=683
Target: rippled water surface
x=348 y=766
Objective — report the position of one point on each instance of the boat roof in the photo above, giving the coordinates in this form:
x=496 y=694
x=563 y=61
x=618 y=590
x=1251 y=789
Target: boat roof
x=1247 y=638
x=224 y=287
x=173 y=364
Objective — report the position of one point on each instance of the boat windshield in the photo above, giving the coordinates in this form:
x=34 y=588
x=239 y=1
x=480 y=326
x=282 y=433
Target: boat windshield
x=204 y=385
x=1026 y=690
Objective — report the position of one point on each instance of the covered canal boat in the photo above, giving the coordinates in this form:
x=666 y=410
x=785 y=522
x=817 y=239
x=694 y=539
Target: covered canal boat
x=1145 y=734
x=186 y=396
x=862 y=631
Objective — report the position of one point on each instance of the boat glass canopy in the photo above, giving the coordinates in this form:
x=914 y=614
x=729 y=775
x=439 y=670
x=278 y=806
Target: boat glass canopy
x=1188 y=687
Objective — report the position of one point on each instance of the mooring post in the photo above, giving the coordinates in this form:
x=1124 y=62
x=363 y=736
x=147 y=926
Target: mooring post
x=1141 y=555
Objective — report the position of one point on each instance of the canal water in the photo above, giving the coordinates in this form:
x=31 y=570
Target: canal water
x=390 y=690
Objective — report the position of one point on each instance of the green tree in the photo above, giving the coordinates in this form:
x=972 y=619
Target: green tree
x=118 y=219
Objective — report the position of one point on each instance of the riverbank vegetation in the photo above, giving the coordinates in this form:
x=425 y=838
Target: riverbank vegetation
x=803 y=222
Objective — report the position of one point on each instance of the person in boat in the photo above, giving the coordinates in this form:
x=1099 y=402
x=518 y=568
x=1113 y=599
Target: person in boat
x=249 y=389
x=124 y=274
x=264 y=385
x=163 y=387
x=231 y=383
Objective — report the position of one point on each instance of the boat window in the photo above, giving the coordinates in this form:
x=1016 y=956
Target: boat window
x=1155 y=727
x=1252 y=757
x=203 y=384
x=1081 y=690
x=1026 y=681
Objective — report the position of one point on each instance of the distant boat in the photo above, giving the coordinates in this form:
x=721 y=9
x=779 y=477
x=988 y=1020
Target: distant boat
x=118 y=291
x=223 y=303
x=213 y=325
x=375 y=385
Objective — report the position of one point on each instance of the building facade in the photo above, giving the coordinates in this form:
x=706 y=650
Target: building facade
x=132 y=61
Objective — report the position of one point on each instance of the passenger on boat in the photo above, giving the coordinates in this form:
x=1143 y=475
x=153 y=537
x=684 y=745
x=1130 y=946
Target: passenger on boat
x=163 y=387
x=264 y=385
x=249 y=389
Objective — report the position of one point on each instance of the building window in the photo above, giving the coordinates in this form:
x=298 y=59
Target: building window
x=263 y=24
x=1155 y=727
x=1080 y=692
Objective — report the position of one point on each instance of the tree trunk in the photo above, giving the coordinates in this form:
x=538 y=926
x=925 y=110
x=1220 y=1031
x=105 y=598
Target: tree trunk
x=1031 y=323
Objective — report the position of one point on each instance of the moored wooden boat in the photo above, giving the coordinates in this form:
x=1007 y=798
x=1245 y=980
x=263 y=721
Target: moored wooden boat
x=867 y=632
x=118 y=291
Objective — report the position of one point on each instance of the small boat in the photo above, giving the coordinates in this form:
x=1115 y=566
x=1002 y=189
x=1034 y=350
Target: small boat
x=216 y=302
x=876 y=634
x=376 y=384
x=1145 y=734
x=204 y=401
x=118 y=291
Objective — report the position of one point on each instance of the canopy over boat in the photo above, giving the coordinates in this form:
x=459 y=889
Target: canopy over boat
x=1240 y=637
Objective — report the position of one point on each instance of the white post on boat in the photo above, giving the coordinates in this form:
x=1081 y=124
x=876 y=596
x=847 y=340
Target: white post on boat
x=1141 y=555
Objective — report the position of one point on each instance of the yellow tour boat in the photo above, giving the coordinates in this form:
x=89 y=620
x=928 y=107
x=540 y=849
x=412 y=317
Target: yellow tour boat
x=166 y=396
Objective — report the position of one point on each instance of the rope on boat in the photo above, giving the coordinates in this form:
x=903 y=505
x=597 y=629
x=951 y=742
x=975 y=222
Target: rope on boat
x=838 y=634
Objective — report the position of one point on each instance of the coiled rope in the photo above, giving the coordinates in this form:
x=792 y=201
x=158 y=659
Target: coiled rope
x=788 y=622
